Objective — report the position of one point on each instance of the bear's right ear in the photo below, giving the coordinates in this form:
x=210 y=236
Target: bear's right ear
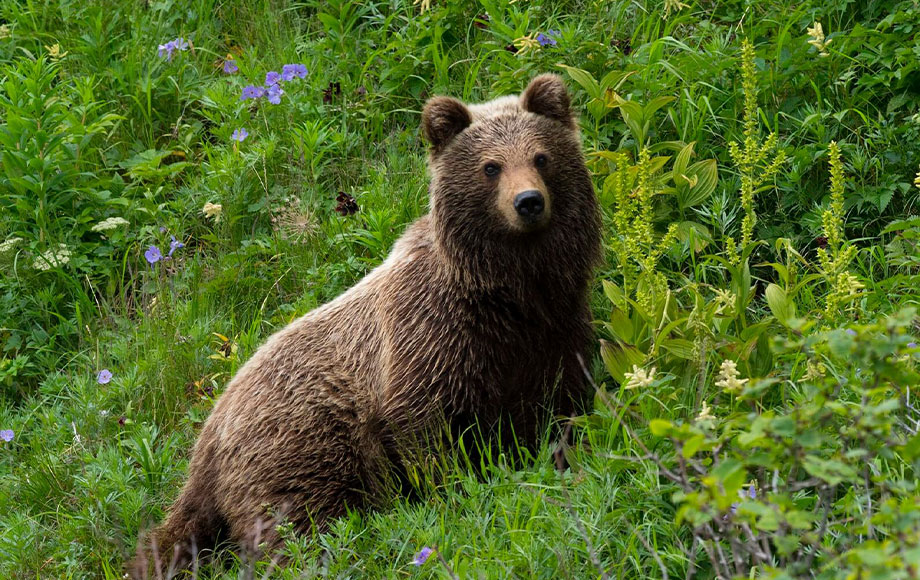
x=443 y=118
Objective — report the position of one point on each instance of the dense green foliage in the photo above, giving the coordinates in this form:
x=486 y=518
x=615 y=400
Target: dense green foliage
x=757 y=347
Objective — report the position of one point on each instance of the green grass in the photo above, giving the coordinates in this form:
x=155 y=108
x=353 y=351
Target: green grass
x=110 y=129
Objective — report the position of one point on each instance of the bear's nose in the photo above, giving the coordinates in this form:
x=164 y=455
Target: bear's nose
x=529 y=204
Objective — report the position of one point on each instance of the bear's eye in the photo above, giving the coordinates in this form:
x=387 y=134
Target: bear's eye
x=491 y=169
x=540 y=160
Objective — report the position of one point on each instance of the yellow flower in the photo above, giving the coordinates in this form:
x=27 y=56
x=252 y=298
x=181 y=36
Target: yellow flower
x=818 y=40
x=728 y=377
x=55 y=52
x=675 y=5
x=814 y=370
x=639 y=378
x=525 y=43
x=917 y=180
x=212 y=211
x=724 y=300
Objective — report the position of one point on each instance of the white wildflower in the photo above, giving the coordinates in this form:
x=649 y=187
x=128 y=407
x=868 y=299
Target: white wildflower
x=52 y=258
x=705 y=413
x=109 y=224
x=213 y=211
x=639 y=378
x=817 y=39
x=7 y=245
x=728 y=377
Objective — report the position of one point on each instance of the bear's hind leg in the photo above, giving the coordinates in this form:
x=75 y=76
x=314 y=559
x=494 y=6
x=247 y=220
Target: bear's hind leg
x=192 y=526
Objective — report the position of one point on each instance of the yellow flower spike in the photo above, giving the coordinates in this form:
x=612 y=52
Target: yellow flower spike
x=526 y=43
x=55 y=52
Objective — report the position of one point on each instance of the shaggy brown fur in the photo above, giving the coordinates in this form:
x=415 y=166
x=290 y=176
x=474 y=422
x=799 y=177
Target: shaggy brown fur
x=476 y=316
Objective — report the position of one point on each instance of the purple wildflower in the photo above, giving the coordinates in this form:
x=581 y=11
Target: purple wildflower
x=274 y=93
x=548 y=39
x=230 y=66
x=272 y=78
x=252 y=92
x=911 y=345
x=851 y=332
x=104 y=376
x=166 y=50
x=6 y=435
x=291 y=71
x=240 y=135
x=752 y=492
x=153 y=255
x=422 y=556
x=174 y=245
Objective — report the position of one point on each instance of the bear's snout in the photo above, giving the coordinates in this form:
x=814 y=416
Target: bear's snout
x=529 y=204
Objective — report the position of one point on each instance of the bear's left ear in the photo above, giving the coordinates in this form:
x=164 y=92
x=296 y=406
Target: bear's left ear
x=546 y=95
x=443 y=118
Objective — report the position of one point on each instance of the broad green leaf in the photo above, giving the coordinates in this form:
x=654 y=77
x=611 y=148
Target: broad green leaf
x=586 y=81
x=660 y=427
x=620 y=358
x=707 y=174
x=679 y=347
x=780 y=305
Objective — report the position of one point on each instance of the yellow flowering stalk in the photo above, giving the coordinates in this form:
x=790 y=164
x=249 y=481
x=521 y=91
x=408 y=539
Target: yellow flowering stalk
x=751 y=157
x=675 y=5
x=55 y=52
x=635 y=246
x=526 y=43
x=844 y=287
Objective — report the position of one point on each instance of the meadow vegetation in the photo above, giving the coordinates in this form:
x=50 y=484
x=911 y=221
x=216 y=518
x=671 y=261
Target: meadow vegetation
x=181 y=178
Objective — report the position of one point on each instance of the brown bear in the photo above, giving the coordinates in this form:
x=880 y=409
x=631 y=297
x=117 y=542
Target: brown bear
x=478 y=316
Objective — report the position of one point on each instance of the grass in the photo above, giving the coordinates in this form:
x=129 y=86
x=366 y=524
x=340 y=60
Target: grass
x=101 y=126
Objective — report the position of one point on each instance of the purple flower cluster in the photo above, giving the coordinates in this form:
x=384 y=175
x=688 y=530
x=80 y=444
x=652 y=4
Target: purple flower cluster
x=272 y=90
x=6 y=435
x=548 y=39
x=154 y=255
x=240 y=135
x=166 y=50
x=422 y=556
x=174 y=245
x=230 y=66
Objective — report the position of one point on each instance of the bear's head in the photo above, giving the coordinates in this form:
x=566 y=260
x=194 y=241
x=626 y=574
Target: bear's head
x=510 y=191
